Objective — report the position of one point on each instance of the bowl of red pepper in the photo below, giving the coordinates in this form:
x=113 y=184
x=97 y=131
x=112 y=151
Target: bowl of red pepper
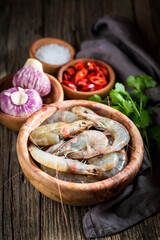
x=84 y=77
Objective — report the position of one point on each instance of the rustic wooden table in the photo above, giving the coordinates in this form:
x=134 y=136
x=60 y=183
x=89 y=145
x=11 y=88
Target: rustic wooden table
x=24 y=212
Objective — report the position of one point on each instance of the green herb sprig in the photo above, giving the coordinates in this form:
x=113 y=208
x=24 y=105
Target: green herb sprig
x=135 y=106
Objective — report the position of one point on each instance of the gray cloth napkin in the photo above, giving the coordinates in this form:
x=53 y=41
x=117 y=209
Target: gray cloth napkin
x=118 y=44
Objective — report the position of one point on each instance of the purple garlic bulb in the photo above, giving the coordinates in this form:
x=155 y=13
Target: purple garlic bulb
x=31 y=76
x=20 y=102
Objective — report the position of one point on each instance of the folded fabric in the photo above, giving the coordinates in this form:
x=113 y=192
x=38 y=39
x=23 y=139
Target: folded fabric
x=118 y=44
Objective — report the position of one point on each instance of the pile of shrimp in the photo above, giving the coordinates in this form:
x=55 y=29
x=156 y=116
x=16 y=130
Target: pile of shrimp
x=80 y=145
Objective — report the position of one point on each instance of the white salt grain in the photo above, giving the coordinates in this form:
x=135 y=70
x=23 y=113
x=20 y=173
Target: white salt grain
x=53 y=54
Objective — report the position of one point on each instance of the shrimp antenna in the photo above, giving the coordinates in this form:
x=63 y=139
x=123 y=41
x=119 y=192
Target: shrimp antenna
x=60 y=195
x=10 y=179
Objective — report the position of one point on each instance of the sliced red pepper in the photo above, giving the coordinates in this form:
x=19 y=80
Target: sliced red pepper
x=100 y=74
x=103 y=69
x=70 y=85
x=98 y=80
x=91 y=66
x=70 y=71
x=82 y=82
x=97 y=87
x=78 y=66
x=90 y=75
x=88 y=87
x=66 y=77
x=81 y=74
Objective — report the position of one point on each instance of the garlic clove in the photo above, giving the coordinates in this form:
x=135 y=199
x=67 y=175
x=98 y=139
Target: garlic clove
x=31 y=76
x=19 y=98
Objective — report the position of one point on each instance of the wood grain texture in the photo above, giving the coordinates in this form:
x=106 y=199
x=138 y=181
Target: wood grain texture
x=24 y=212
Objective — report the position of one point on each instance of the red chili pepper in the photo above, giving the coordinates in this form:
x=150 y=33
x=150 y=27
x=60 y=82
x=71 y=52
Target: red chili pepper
x=100 y=74
x=70 y=71
x=91 y=66
x=97 y=87
x=66 y=77
x=98 y=80
x=70 y=85
x=81 y=74
x=88 y=87
x=103 y=69
x=90 y=75
x=78 y=66
x=82 y=82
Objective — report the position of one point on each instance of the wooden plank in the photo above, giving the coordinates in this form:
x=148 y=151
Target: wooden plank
x=147 y=18
x=24 y=212
x=19 y=218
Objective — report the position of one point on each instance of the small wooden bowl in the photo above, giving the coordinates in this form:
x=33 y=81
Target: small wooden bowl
x=14 y=123
x=71 y=94
x=79 y=194
x=46 y=41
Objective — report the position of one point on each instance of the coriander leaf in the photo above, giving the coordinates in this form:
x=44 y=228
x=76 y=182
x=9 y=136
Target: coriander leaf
x=128 y=106
x=135 y=94
x=119 y=87
x=148 y=80
x=136 y=82
x=116 y=97
x=145 y=99
x=119 y=108
x=143 y=120
x=96 y=98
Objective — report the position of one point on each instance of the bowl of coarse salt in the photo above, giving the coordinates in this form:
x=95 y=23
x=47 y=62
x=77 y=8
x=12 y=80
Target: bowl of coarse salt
x=53 y=53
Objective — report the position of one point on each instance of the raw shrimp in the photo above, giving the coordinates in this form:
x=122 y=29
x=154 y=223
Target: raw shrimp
x=122 y=162
x=87 y=144
x=63 y=164
x=62 y=116
x=52 y=133
x=107 y=161
x=45 y=135
x=117 y=130
x=54 y=147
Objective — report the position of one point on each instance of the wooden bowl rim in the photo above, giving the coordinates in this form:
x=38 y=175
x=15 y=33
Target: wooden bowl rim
x=42 y=42
x=51 y=78
x=109 y=68
x=33 y=170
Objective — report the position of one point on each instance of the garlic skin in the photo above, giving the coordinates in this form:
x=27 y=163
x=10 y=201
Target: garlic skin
x=20 y=102
x=31 y=76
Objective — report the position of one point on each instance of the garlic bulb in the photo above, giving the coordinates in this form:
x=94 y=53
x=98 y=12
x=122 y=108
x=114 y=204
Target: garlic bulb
x=31 y=76
x=20 y=102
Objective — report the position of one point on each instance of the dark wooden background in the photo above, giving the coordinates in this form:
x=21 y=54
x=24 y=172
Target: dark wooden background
x=24 y=212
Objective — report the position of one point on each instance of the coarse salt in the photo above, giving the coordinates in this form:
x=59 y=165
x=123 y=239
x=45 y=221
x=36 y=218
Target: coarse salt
x=53 y=54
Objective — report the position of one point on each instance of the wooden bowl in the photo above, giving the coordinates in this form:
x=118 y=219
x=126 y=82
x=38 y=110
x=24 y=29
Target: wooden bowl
x=45 y=41
x=71 y=94
x=79 y=193
x=14 y=123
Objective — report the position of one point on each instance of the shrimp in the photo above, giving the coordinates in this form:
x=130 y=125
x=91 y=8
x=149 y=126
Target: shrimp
x=54 y=147
x=45 y=135
x=108 y=160
x=63 y=164
x=62 y=116
x=117 y=130
x=87 y=144
x=122 y=162
x=52 y=133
